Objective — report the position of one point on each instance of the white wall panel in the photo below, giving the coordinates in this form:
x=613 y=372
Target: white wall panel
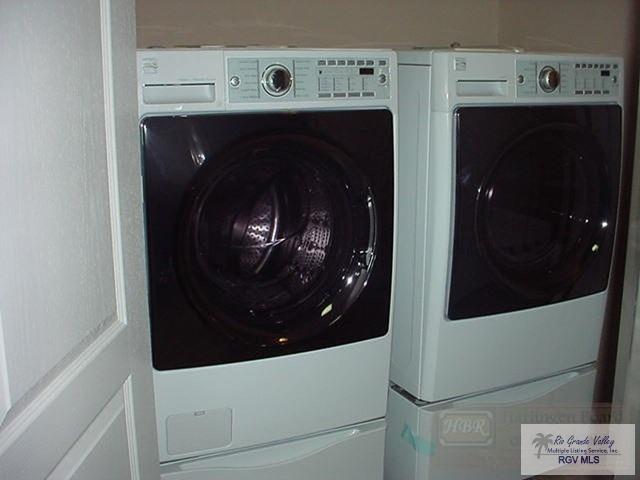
x=102 y=452
x=57 y=286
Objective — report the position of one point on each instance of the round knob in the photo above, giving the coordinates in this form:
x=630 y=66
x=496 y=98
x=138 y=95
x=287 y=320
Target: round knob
x=234 y=81
x=549 y=79
x=277 y=80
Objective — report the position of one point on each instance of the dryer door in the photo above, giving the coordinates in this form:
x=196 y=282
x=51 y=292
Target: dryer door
x=536 y=198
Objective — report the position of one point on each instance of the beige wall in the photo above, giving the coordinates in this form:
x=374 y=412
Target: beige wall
x=320 y=23
x=566 y=25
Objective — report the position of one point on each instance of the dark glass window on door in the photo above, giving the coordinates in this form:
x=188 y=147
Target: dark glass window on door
x=267 y=234
x=279 y=241
x=535 y=206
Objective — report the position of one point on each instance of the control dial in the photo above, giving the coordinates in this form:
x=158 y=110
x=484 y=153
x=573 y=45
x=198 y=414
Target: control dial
x=277 y=80
x=549 y=79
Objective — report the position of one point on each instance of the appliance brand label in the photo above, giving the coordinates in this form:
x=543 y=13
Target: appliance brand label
x=149 y=66
x=460 y=64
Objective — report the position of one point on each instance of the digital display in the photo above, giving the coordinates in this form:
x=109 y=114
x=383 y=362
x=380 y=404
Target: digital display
x=605 y=73
x=366 y=71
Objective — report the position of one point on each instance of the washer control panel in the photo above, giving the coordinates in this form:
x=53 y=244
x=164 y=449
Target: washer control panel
x=307 y=79
x=579 y=78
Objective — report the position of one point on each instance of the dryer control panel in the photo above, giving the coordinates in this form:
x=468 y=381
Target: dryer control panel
x=307 y=79
x=567 y=78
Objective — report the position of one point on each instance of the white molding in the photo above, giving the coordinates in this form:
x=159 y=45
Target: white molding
x=131 y=430
x=112 y=160
x=5 y=391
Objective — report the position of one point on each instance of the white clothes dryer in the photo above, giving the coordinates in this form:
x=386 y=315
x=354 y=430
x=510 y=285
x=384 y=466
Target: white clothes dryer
x=509 y=168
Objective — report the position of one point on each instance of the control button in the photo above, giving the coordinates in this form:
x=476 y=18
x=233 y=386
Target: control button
x=351 y=63
x=322 y=63
x=370 y=63
x=355 y=83
x=382 y=63
x=590 y=65
x=360 y=63
x=382 y=79
x=588 y=92
x=520 y=79
x=354 y=94
x=606 y=92
x=277 y=80
x=614 y=79
x=608 y=65
x=579 y=92
x=584 y=65
x=549 y=79
x=597 y=83
x=325 y=84
x=597 y=92
x=331 y=63
x=234 y=81
x=577 y=65
x=589 y=83
x=324 y=95
x=340 y=95
x=340 y=84
x=368 y=94
x=342 y=63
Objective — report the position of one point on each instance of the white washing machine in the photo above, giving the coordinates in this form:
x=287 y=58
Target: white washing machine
x=269 y=180
x=509 y=169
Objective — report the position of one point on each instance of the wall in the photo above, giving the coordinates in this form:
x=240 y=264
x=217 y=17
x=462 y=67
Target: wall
x=626 y=395
x=566 y=25
x=627 y=387
x=317 y=23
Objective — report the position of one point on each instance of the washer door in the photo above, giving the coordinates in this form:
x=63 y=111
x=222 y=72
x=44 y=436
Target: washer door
x=536 y=201
x=278 y=239
x=268 y=234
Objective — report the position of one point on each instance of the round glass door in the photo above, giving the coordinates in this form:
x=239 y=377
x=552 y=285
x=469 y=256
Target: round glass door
x=278 y=239
x=543 y=210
